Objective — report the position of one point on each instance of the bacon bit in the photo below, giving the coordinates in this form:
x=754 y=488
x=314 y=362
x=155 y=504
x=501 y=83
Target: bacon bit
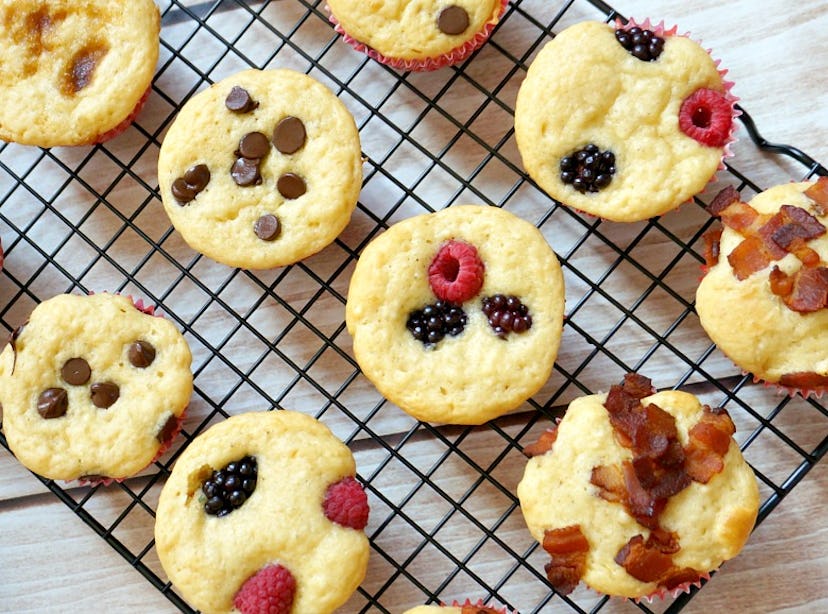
x=477 y=609
x=666 y=541
x=818 y=193
x=610 y=482
x=624 y=403
x=804 y=380
x=543 y=444
x=642 y=562
x=781 y=284
x=709 y=440
x=640 y=503
x=808 y=257
x=749 y=257
x=791 y=227
x=677 y=577
x=649 y=562
x=810 y=290
x=741 y=217
x=725 y=197
x=638 y=386
x=568 y=548
x=712 y=239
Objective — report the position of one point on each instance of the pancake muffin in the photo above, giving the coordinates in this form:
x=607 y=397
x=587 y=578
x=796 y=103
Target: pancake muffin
x=93 y=387
x=456 y=316
x=416 y=34
x=623 y=122
x=262 y=510
x=261 y=169
x=764 y=298
x=74 y=73
x=638 y=493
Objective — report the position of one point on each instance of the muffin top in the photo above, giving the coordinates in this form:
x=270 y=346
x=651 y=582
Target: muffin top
x=73 y=71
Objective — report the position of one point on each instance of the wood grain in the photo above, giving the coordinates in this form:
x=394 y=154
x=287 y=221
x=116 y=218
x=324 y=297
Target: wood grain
x=775 y=51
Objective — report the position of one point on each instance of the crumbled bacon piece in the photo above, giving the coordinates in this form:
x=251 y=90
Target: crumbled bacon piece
x=743 y=218
x=648 y=561
x=818 y=193
x=781 y=284
x=810 y=290
x=804 y=380
x=712 y=239
x=725 y=197
x=709 y=440
x=543 y=444
x=469 y=608
x=749 y=257
x=790 y=228
x=610 y=482
x=568 y=548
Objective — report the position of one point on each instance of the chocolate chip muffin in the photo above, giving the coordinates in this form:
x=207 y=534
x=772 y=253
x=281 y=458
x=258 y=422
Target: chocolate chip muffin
x=262 y=513
x=638 y=493
x=416 y=35
x=456 y=316
x=261 y=169
x=92 y=387
x=74 y=73
x=623 y=122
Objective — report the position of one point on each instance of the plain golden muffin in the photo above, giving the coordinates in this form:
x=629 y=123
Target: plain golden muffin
x=416 y=34
x=92 y=387
x=584 y=88
x=763 y=302
x=261 y=169
x=295 y=536
x=680 y=515
x=74 y=73
x=473 y=372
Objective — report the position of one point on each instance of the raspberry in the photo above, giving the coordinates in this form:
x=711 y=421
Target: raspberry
x=268 y=591
x=346 y=504
x=456 y=273
x=707 y=117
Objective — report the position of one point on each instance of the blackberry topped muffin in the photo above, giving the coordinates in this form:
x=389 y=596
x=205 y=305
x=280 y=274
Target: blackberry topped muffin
x=623 y=122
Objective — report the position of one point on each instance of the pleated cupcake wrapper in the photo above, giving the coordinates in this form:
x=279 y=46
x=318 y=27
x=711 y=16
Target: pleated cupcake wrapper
x=151 y=310
x=478 y=604
x=727 y=152
x=661 y=593
x=455 y=56
x=126 y=123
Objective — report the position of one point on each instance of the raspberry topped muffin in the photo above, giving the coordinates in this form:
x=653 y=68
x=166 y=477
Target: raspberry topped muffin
x=456 y=316
x=416 y=34
x=624 y=122
x=764 y=298
x=638 y=493
x=262 y=513
x=74 y=73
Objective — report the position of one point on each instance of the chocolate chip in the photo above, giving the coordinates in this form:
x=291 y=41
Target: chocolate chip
x=76 y=371
x=289 y=135
x=239 y=100
x=453 y=20
x=291 y=186
x=253 y=146
x=195 y=179
x=246 y=172
x=52 y=403
x=104 y=394
x=13 y=342
x=267 y=227
x=168 y=430
x=141 y=354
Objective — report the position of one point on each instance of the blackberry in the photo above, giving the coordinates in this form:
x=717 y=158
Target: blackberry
x=228 y=488
x=641 y=43
x=433 y=322
x=507 y=314
x=588 y=169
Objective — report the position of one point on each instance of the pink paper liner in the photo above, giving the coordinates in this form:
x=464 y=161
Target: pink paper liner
x=455 y=56
x=111 y=134
x=476 y=604
x=106 y=481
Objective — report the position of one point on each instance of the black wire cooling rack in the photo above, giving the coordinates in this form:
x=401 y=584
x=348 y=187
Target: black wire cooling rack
x=445 y=522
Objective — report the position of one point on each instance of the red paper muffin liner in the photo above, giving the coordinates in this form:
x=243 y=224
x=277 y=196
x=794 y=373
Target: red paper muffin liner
x=111 y=134
x=477 y=604
x=105 y=480
x=455 y=56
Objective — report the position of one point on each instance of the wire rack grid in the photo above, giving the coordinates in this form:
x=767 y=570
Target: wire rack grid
x=445 y=522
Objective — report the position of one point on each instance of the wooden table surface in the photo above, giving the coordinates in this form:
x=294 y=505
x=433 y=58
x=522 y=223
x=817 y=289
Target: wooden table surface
x=777 y=53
